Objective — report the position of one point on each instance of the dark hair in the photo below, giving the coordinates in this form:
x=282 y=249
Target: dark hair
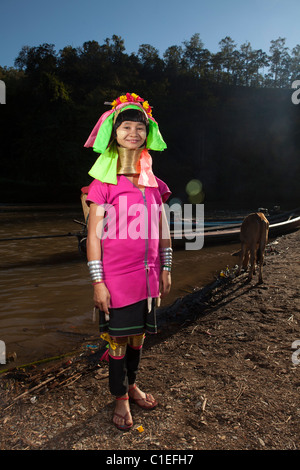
x=130 y=115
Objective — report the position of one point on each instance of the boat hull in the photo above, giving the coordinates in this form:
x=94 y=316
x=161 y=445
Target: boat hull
x=231 y=234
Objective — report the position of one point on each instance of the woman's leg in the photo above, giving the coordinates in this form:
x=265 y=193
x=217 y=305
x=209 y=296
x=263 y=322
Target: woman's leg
x=118 y=382
x=133 y=355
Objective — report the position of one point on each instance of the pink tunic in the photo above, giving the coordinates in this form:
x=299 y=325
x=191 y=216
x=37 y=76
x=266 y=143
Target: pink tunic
x=130 y=241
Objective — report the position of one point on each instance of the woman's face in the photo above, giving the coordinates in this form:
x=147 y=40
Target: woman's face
x=131 y=134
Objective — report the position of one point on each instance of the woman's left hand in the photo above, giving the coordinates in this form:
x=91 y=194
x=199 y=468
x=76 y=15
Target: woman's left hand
x=165 y=282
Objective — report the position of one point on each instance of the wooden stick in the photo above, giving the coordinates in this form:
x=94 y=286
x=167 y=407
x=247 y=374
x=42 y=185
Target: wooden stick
x=204 y=404
x=33 y=237
x=35 y=388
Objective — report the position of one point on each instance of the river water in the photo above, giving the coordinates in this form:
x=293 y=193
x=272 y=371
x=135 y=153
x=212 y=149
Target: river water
x=46 y=294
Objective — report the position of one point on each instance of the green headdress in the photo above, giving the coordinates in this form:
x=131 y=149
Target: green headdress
x=105 y=167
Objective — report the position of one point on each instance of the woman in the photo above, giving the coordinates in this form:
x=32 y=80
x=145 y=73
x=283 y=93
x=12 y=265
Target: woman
x=131 y=264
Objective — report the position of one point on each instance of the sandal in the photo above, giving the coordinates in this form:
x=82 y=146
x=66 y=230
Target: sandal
x=122 y=427
x=138 y=400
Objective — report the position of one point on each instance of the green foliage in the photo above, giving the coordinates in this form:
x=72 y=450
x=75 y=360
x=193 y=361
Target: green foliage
x=227 y=117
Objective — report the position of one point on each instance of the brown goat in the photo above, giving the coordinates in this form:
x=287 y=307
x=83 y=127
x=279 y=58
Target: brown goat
x=254 y=237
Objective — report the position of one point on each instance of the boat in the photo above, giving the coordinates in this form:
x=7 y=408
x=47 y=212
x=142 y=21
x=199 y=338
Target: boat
x=215 y=231
x=229 y=232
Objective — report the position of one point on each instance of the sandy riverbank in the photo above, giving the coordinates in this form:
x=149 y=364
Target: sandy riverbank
x=223 y=374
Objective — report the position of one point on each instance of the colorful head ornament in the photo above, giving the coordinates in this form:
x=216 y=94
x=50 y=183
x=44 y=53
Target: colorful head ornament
x=105 y=167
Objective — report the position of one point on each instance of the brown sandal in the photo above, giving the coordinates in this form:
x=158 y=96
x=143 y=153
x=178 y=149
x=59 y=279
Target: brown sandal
x=122 y=427
x=147 y=398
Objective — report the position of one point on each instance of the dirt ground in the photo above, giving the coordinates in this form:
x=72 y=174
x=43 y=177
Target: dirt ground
x=222 y=367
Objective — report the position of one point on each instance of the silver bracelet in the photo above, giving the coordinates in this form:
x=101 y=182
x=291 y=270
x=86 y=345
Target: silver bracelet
x=166 y=258
x=96 y=270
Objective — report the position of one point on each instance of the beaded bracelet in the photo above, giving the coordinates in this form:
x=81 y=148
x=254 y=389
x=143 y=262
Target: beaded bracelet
x=166 y=268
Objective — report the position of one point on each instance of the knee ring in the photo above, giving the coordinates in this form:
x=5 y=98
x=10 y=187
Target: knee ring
x=137 y=341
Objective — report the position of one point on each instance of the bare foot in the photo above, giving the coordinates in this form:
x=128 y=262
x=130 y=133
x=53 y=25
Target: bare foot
x=144 y=400
x=122 y=417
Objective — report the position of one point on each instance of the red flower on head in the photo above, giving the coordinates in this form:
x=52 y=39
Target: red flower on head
x=132 y=98
x=129 y=97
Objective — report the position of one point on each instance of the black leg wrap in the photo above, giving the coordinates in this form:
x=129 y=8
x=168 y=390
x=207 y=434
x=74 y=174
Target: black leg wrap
x=118 y=380
x=133 y=358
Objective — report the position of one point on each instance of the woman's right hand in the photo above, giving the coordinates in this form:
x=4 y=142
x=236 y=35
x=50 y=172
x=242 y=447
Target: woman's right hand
x=102 y=297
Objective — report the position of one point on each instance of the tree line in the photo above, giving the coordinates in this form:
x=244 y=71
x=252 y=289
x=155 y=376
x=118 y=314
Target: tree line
x=103 y=64
x=216 y=112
